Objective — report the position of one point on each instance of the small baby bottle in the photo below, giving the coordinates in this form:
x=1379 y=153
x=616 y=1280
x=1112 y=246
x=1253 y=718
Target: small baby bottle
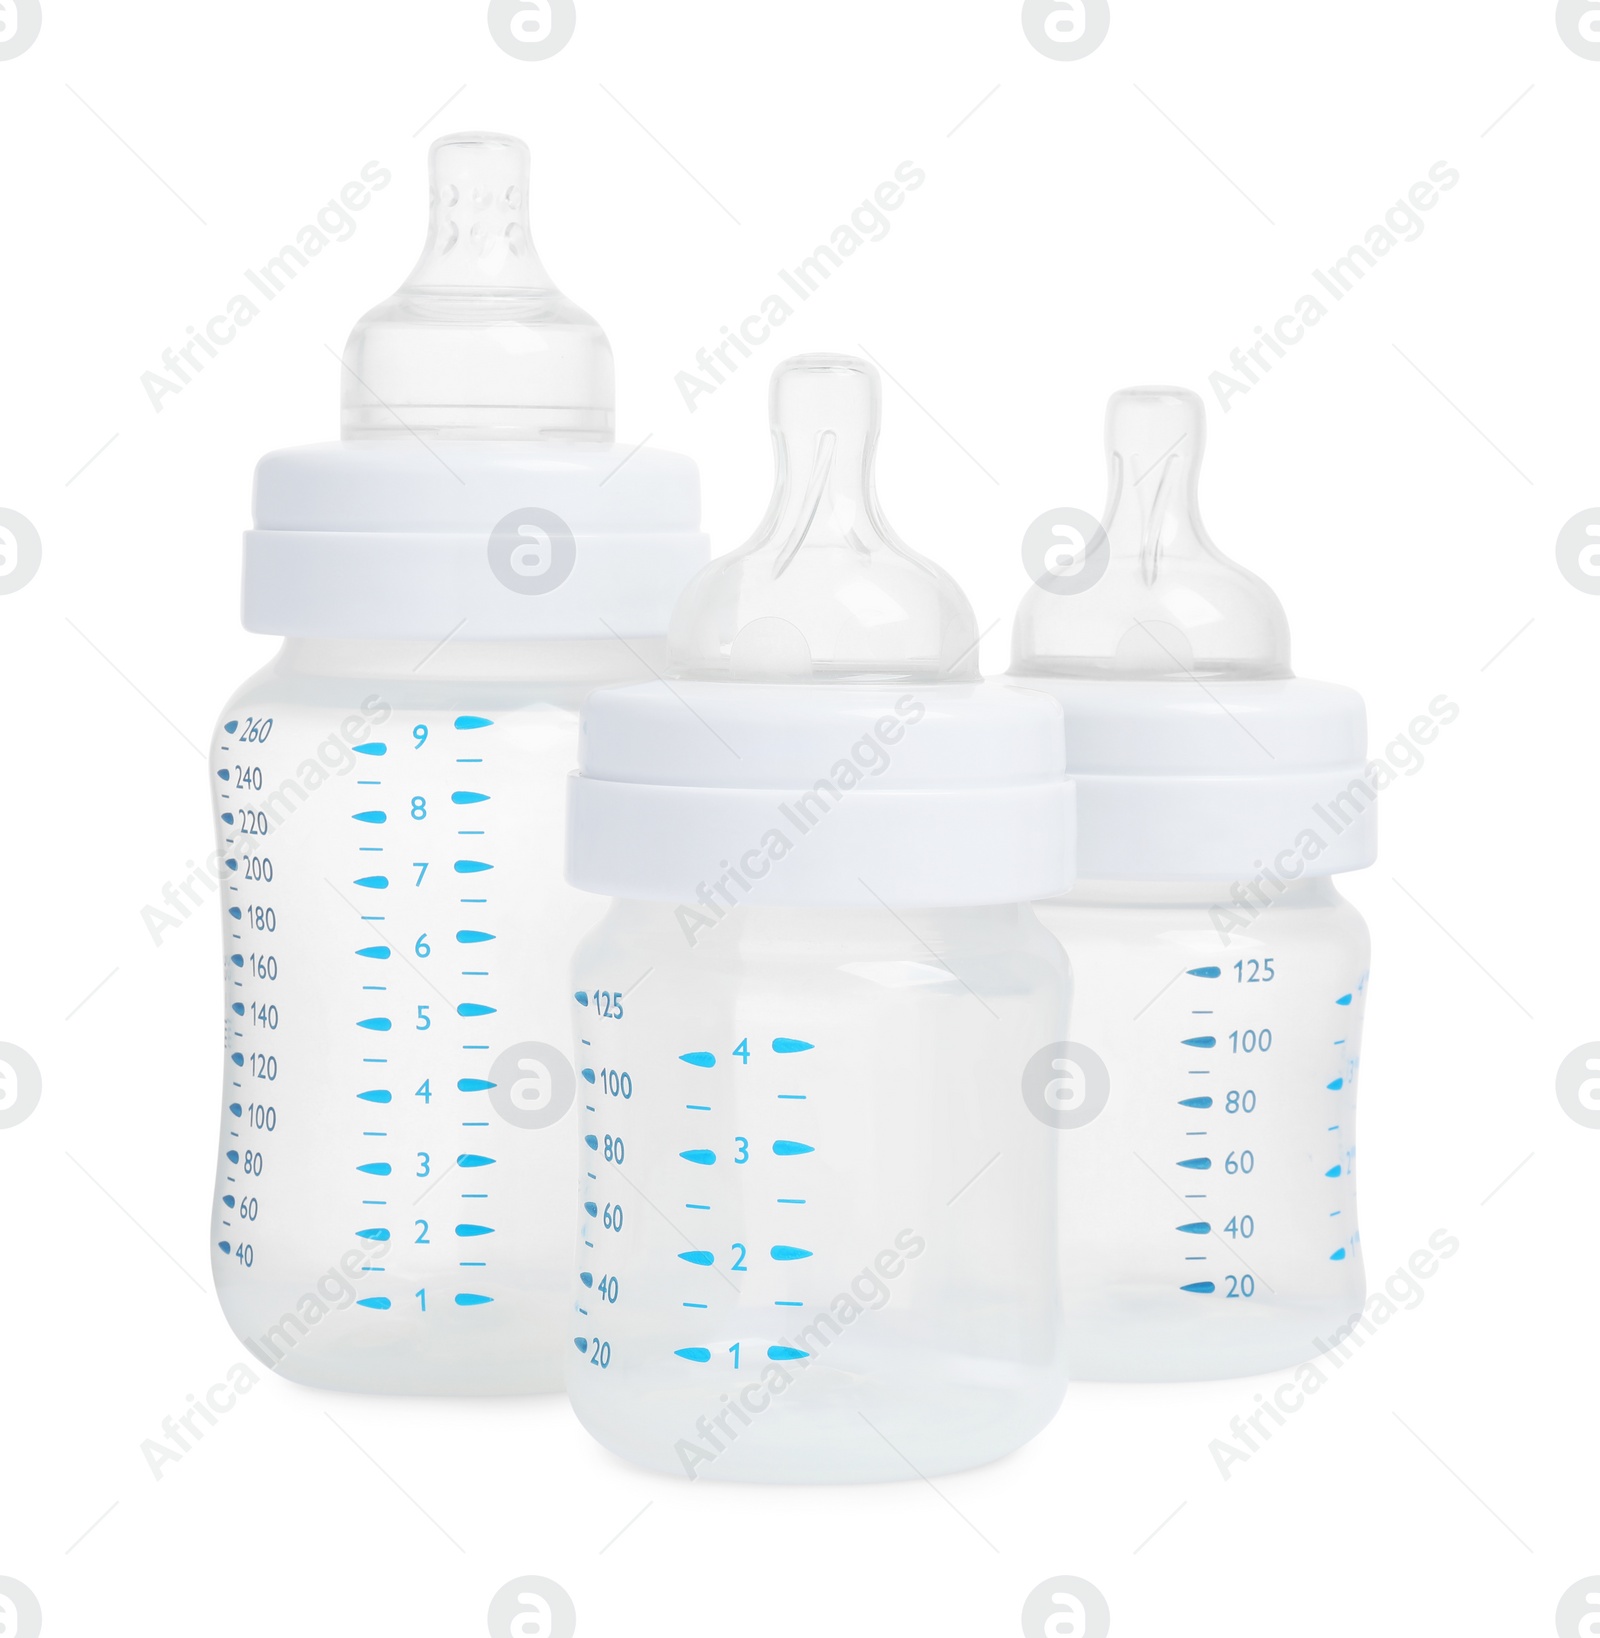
x=394 y=1193
x=1207 y=1099
x=818 y=1222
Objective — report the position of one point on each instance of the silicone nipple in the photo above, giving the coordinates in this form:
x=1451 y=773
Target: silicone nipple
x=1151 y=597
x=825 y=591
x=478 y=343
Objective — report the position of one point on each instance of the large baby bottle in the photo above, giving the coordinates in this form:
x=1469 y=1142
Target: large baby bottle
x=1206 y=1104
x=394 y=1194
x=817 y=1233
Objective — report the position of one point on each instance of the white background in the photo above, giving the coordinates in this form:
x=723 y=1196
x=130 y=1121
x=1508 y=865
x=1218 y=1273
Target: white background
x=1400 y=479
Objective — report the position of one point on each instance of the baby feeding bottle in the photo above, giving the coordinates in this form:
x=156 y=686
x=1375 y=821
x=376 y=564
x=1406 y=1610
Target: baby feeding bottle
x=1206 y=1102
x=395 y=1186
x=817 y=1233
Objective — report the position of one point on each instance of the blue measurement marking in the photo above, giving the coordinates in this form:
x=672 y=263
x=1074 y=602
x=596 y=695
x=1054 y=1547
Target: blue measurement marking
x=372 y=1302
x=1205 y=972
x=1344 y=1001
x=782 y=1202
x=376 y=1168
x=374 y=748
x=701 y=1259
x=1338 y=1256
x=581 y=997
x=699 y=1108
x=371 y=816
x=471 y=867
x=372 y=1234
x=689 y=1205
x=382 y=1025
x=472 y=1084
x=779 y=1352
x=588 y=1075
x=784 y=1302
x=474 y=1009
x=788 y=1043
x=375 y=952
x=1201 y=1041
x=466 y=723
x=694 y=1305
x=1201 y=1288
x=468 y=936
x=793 y=1097
x=1194 y=1228
x=471 y=1299
x=592 y=1209
x=697 y=1356
x=700 y=1060
x=784 y=1146
x=466 y=798
x=1336 y=1086
x=1202 y=1164
x=472 y=1265
x=699 y=1157
x=1194 y=1103
x=474 y=1160
x=471 y=1231
x=372 y=881
x=789 y=1254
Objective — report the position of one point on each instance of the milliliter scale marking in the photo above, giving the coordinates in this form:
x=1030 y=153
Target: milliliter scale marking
x=422 y=858
x=1220 y=1115
x=703 y=1162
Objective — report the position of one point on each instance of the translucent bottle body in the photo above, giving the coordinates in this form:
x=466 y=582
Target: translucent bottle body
x=817 y=1228
x=1209 y=1209
x=396 y=1175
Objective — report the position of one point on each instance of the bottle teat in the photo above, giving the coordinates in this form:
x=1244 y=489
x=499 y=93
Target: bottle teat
x=825 y=591
x=1150 y=596
x=478 y=343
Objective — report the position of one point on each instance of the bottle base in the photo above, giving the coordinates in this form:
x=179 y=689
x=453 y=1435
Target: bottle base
x=351 y=1350
x=825 y=1427
x=1154 y=1339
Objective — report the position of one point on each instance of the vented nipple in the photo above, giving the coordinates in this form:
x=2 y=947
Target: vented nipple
x=1151 y=597
x=825 y=591
x=478 y=343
